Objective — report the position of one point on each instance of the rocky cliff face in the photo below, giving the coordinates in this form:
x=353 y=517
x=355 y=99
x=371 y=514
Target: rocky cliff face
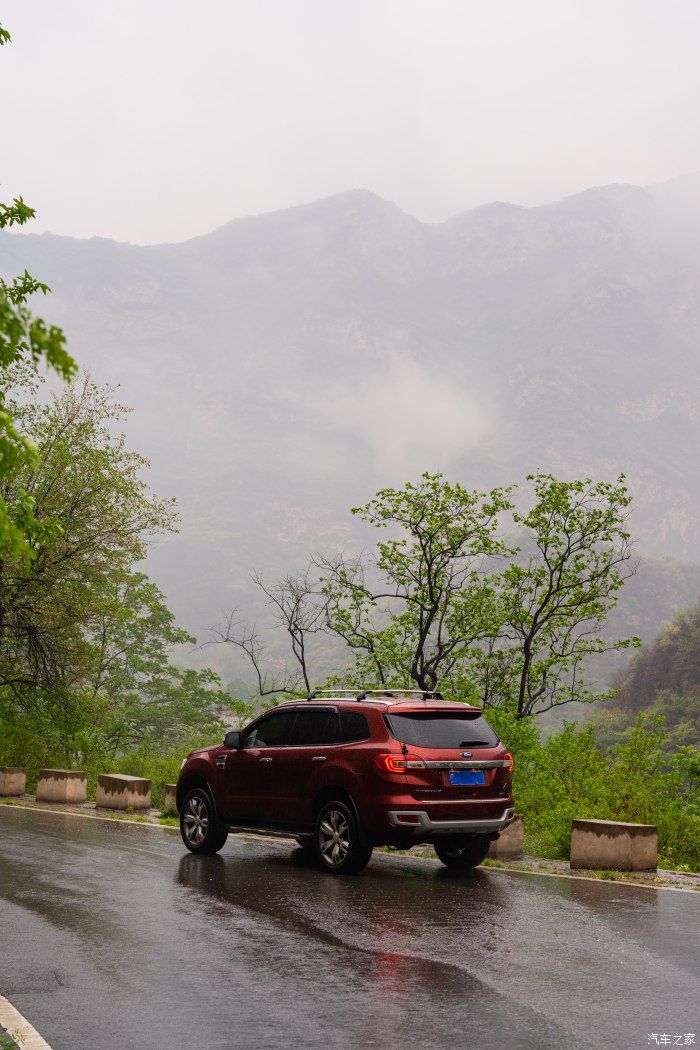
x=284 y=366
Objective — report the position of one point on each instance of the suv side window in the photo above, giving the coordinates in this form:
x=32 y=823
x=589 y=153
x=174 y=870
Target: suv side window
x=353 y=727
x=271 y=731
x=315 y=726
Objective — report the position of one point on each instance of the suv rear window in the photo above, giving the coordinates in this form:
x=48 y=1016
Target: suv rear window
x=442 y=729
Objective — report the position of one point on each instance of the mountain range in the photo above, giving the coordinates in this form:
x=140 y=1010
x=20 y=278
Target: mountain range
x=283 y=367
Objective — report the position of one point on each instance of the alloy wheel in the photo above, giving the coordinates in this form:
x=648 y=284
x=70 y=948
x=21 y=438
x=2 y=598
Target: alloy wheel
x=196 y=821
x=334 y=837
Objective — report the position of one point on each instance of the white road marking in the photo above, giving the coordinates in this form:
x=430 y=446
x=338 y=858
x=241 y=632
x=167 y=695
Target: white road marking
x=19 y=1028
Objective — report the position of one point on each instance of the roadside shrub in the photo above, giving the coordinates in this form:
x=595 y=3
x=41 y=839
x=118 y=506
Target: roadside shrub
x=567 y=781
x=570 y=776
x=29 y=742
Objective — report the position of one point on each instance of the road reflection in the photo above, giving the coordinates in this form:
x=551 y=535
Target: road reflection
x=406 y=940
x=398 y=903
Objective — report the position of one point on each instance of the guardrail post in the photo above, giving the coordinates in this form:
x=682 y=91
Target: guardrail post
x=120 y=791
x=170 y=797
x=509 y=844
x=13 y=780
x=613 y=845
x=61 y=785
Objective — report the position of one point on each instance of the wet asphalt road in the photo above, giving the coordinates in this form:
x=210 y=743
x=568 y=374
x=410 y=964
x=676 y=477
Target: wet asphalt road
x=112 y=937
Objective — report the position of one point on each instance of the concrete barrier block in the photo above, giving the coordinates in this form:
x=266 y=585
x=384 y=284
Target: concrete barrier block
x=61 y=785
x=120 y=791
x=170 y=796
x=509 y=844
x=13 y=780
x=612 y=845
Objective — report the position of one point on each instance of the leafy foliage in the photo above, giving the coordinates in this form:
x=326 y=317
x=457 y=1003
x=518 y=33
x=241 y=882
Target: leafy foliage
x=23 y=337
x=555 y=599
x=86 y=640
x=92 y=513
x=664 y=679
x=570 y=776
x=445 y=601
x=415 y=610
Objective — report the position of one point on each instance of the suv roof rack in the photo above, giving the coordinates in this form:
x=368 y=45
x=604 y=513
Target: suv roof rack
x=365 y=694
x=328 y=694
x=394 y=694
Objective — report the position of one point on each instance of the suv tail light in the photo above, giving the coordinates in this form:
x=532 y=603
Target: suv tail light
x=509 y=759
x=399 y=763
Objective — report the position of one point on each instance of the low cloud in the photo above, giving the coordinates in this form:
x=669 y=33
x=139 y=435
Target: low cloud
x=411 y=418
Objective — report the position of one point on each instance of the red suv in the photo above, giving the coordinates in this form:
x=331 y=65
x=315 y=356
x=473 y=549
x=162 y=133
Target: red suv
x=343 y=773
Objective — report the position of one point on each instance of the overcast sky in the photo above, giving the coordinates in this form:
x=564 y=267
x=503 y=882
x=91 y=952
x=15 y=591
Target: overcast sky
x=152 y=120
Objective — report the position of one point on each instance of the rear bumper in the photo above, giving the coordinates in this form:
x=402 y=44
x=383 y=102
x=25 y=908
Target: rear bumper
x=420 y=824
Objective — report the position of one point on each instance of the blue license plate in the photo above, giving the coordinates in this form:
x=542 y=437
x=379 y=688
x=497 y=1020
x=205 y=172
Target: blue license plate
x=467 y=776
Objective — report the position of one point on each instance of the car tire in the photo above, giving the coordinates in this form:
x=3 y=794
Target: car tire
x=200 y=828
x=462 y=854
x=340 y=846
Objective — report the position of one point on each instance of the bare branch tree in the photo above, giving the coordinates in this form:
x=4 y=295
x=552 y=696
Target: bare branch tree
x=299 y=608
x=244 y=636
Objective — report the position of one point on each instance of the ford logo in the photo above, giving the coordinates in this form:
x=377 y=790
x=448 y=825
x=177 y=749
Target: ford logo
x=466 y=754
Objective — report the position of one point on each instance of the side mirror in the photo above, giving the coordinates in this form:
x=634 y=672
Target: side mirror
x=232 y=739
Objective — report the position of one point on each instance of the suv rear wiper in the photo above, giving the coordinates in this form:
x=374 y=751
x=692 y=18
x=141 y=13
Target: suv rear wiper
x=474 y=743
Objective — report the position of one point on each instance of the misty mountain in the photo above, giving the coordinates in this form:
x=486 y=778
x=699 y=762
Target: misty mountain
x=663 y=678
x=283 y=367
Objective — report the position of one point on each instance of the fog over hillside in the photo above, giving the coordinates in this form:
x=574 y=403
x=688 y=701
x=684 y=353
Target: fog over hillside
x=285 y=366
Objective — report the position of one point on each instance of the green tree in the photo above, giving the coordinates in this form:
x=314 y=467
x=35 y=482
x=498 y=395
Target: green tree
x=85 y=639
x=144 y=699
x=93 y=515
x=23 y=337
x=433 y=605
x=556 y=595
x=415 y=610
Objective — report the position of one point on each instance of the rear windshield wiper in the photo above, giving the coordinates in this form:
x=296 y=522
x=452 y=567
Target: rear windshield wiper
x=474 y=743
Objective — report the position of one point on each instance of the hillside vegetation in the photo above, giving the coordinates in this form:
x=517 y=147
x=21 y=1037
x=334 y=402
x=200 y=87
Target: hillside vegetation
x=663 y=678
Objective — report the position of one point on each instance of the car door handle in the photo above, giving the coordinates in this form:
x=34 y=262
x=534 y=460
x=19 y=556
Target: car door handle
x=266 y=760
x=319 y=758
